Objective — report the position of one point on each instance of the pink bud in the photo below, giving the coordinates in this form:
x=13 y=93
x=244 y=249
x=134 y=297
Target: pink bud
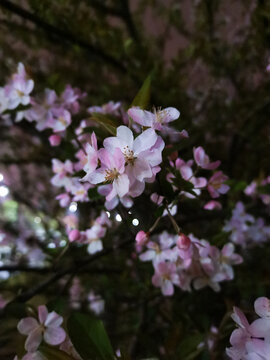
x=142 y=238
x=55 y=140
x=183 y=242
x=74 y=235
x=212 y=204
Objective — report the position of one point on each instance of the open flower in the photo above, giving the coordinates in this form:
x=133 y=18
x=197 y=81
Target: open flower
x=47 y=326
x=133 y=150
x=156 y=119
x=111 y=171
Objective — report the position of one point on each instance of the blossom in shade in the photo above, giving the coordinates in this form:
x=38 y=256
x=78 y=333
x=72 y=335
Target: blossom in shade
x=216 y=184
x=202 y=160
x=19 y=89
x=165 y=277
x=156 y=119
x=47 y=327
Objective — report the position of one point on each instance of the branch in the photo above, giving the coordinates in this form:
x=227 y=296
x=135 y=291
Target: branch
x=52 y=30
x=28 y=294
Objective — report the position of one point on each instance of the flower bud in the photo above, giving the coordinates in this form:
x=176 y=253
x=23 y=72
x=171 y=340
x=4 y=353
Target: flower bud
x=55 y=140
x=74 y=235
x=183 y=242
x=142 y=238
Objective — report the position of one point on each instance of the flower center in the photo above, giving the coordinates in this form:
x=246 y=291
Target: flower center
x=129 y=155
x=111 y=175
x=20 y=93
x=62 y=120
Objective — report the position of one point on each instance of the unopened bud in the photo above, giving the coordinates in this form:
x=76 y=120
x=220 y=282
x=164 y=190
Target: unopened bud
x=183 y=242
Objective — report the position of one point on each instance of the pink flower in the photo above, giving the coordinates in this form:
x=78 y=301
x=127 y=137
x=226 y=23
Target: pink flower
x=109 y=108
x=48 y=327
x=111 y=171
x=20 y=88
x=154 y=120
x=216 y=186
x=133 y=150
x=165 y=276
x=202 y=159
x=62 y=120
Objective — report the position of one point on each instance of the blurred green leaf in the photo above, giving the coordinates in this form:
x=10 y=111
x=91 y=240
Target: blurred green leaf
x=142 y=98
x=89 y=337
x=54 y=354
x=110 y=123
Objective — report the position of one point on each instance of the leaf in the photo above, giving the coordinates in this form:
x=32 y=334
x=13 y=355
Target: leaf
x=89 y=337
x=109 y=122
x=142 y=98
x=54 y=353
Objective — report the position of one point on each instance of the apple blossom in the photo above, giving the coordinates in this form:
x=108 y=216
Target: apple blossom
x=155 y=119
x=47 y=326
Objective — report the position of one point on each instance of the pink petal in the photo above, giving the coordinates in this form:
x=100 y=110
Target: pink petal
x=170 y=114
x=239 y=317
x=262 y=307
x=167 y=288
x=121 y=185
x=141 y=169
x=53 y=319
x=145 y=141
x=33 y=340
x=142 y=117
x=54 y=336
x=26 y=325
x=42 y=313
x=125 y=135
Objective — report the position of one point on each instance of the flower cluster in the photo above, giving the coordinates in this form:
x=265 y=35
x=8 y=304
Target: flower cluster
x=215 y=184
x=185 y=261
x=251 y=341
x=51 y=111
x=92 y=236
x=124 y=164
x=245 y=229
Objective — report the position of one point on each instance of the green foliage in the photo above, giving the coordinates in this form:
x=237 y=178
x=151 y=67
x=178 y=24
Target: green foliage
x=89 y=337
x=142 y=99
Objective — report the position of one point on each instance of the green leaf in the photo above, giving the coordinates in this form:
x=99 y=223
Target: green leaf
x=109 y=122
x=54 y=353
x=89 y=337
x=142 y=98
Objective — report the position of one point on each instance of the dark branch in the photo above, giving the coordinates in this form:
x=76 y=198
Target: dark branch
x=74 y=268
